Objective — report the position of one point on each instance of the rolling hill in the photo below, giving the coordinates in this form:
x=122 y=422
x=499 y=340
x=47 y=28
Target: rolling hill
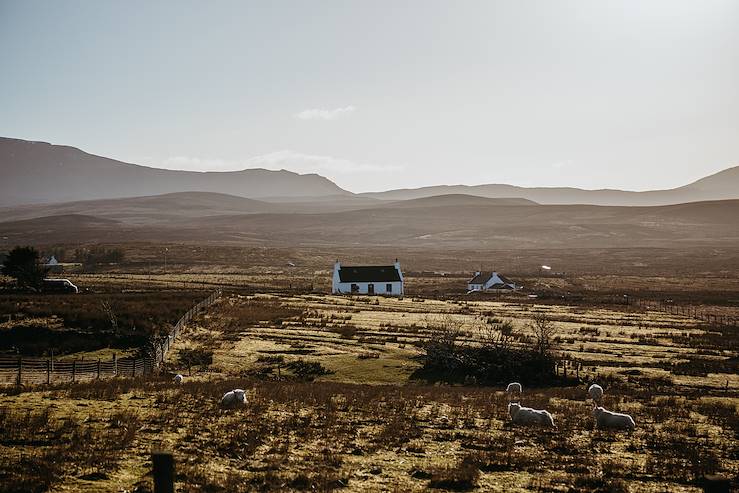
x=720 y=186
x=38 y=172
x=41 y=173
x=439 y=223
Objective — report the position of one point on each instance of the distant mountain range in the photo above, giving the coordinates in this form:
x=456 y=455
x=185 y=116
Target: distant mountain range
x=722 y=185
x=37 y=172
x=60 y=195
x=41 y=173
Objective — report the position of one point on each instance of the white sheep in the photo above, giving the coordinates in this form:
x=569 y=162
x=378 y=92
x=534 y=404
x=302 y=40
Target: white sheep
x=178 y=379
x=514 y=389
x=527 y=416
x=609 y=419
x=234 y=398
x=596 y=392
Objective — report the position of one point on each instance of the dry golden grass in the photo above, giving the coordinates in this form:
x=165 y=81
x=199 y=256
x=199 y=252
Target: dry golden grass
x=366 y=426
x=326 y=435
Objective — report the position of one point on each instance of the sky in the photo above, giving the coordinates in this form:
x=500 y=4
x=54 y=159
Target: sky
x=376 y=95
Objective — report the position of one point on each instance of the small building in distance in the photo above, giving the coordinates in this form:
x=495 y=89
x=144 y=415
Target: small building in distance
x=368 y=279
x=490 y=281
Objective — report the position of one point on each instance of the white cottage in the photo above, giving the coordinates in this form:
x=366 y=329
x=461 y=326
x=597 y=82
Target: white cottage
x=368 y=279
x=484 y=281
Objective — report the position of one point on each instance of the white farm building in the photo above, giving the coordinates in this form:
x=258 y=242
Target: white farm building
x=368 y=279
x=484 y=281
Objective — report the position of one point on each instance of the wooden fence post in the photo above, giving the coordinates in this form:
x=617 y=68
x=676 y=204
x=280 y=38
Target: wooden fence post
x=48 y=372
x=98 y=368
x=20 y=369
x=163 y=471
x=115 y=366
x=74 y=369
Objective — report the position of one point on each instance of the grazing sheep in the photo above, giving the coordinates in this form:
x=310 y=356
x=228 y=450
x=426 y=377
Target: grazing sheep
x=177 y=379
x=514 y=388
x=527 y=416
x=596 y=392
x=234 y=398
x=609 y=419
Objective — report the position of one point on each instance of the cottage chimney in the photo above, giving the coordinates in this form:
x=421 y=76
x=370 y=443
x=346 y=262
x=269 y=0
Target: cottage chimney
x=397 y=264
x=337 y=265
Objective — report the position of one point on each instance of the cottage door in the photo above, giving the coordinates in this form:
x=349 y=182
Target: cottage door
x=370 y=289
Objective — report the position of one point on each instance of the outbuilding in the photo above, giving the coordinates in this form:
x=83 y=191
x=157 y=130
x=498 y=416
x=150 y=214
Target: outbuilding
x=368 y=279
x=490 y=281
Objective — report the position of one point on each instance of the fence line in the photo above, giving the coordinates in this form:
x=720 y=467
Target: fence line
x=684 y=311
x=165 y=343
x=29 y=370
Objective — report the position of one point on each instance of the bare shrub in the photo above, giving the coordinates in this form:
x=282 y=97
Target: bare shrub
x=544 y=332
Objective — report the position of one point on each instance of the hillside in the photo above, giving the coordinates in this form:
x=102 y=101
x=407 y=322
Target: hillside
x=720 y=186
x=442 y=226
x=148 y=210
x=37 y=172
x=41 y=173
x=458 y=200
x=179 y=205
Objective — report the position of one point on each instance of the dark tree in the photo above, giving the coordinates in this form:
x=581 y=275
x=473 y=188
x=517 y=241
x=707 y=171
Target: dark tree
x=23 y=264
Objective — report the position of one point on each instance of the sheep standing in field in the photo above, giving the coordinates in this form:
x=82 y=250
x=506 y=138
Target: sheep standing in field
x=596 y=392
x=514 y=389
x=609 y=419
x=527 y=416
x=177 y=379
x=234 y=398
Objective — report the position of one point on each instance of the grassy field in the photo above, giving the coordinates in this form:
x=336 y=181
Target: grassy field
x=378 y=337
x=365 y=422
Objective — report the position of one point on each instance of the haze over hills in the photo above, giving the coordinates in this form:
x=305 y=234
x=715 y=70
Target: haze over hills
x=439 y=222
x=719 y=186
x=41 y=173
x=37 y=172
x=148 y=210
x=163 y=208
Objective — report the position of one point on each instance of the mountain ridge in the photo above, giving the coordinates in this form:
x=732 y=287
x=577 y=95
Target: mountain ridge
x=36 y=172
x=722 y=185
x=39 y=172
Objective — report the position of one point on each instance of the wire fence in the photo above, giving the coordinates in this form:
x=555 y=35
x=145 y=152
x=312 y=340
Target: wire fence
x=686 y=310
x=20 y=370
x=165 y=343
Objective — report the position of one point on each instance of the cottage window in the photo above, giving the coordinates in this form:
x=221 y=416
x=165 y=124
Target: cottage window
x=388 y=288
x=355 y=288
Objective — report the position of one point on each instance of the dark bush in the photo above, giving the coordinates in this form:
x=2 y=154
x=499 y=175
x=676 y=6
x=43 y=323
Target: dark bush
x=496 y=362
x=189 y=357
x=307 y=370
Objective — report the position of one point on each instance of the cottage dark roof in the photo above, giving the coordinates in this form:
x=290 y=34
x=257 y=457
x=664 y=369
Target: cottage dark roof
x=484 y=277
x=369 y=273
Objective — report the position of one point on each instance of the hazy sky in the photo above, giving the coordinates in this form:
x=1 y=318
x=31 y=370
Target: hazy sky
x=384 y=94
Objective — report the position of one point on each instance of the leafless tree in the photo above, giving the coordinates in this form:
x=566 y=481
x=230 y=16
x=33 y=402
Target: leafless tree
x=108 y=310
x=544 y=331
